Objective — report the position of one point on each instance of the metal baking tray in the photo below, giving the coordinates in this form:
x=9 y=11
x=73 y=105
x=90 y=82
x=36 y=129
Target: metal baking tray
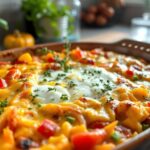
x=128 y=47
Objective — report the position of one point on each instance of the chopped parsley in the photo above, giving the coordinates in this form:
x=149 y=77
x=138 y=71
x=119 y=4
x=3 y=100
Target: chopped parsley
x=60 y=75
x=95 y=84
x=47 y=73
x=52 y=100
x=64 y=97
x=70 y=119
x=44 y=80
x=145 y=126
x=135 y=78
x=110 y=98
x=3 y=104
x=34 y=96
x=51 y=89
x=92 y=72
x=63 y=63
x=38 y=105
x=116 y=136
x=36 y=90
x=71 y=84
x=107 y=86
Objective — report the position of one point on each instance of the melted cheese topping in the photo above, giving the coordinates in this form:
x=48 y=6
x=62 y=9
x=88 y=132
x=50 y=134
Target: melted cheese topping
x=48 y=99
x=91 y=82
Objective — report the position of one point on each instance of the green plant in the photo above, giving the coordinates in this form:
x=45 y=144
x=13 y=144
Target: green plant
x=36 y=10
x=4 y=24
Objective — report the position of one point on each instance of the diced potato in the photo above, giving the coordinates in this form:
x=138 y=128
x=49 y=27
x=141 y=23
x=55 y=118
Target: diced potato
x=108 y=146
x=123 y=96
x=8 y=136
x=66 y=128
x=24 y=132
x=78 y=129
x=140 y=93
x=61 y=142
x=135 y=115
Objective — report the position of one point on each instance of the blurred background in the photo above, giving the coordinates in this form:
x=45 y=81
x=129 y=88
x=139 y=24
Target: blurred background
x=77 y=20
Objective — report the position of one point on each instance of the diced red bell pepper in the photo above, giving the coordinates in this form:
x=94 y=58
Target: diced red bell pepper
x=48 y=128
x=87 y=61
x=13 y=74
x=97 y=124
x=129 y=73
x=77 y=54
x=96 y=51
x=4 y=63
x=3 y=83
x=148 y=104
x=50 y=58
x=87 y=140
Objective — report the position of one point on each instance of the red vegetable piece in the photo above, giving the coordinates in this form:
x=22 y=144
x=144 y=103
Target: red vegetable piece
x=3 y=83
x=50 y=58
x=77 y=54
x=148 y=104
x=4 y=63
x=96 y=51
x=129 y=73
x=97 y=124
x=87 y=61
x=87 y=140
x=48 y=128
x=13 y=74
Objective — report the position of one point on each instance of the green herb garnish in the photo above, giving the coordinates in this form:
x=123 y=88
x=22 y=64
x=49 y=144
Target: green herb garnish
x=3 y=104
x=135 y=78
x=71 y=84
x=70 y=119
x=64 y=97
x=95 y=84
x=60 y=75
x=51 y=89
x=47 y=73
x=116 y=136
x=145 y=126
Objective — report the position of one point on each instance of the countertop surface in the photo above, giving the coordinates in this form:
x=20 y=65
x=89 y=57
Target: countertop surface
x=107 y=35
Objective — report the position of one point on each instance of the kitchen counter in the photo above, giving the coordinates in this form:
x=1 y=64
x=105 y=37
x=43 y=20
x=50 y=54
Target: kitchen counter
x=107 y=35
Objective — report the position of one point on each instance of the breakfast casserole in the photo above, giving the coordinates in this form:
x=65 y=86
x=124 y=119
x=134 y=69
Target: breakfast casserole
x=72 y=99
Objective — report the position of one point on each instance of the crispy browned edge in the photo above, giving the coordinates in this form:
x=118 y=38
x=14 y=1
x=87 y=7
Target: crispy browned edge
x=117 y=47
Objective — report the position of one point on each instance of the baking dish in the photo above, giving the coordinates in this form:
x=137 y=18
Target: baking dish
x=128 y=47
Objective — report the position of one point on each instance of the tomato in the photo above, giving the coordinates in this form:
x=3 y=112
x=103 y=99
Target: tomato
x=4 y=63
x=87 y=140
x=148 y=104
x=3 y=83
x=87 y=61
x=50 y=58
x=96 y=51
x=13 y=74
x=77 y=54
x=129 y=73
x=48 y=128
